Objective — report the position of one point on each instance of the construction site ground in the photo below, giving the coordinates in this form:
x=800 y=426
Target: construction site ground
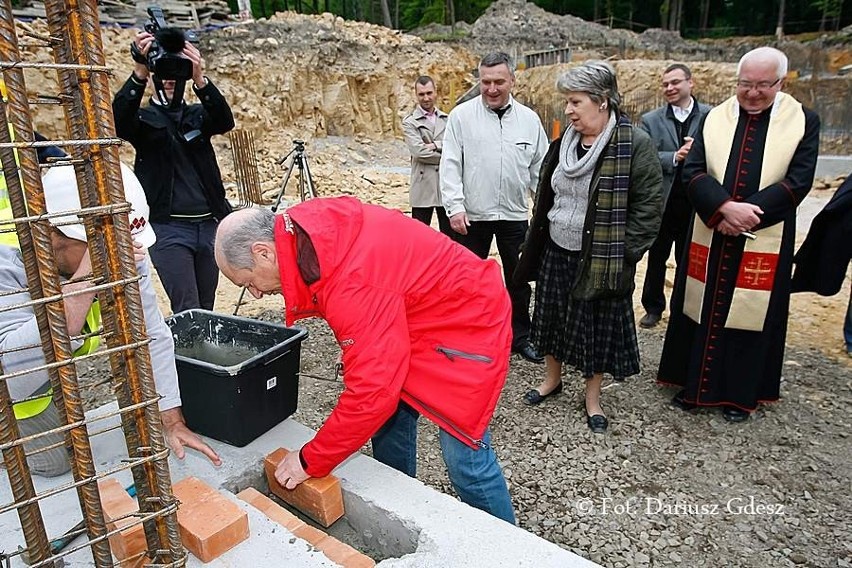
x=661 y=488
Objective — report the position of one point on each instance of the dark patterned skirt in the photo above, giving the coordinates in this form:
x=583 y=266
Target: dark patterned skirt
x=594 y=336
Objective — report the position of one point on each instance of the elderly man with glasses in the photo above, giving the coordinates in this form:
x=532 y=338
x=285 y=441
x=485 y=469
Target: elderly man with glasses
x=751 y=164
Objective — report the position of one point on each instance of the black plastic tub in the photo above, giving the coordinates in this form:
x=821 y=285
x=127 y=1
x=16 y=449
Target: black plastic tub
x=238 y=377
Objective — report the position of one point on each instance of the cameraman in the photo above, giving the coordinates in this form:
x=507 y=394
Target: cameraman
x=176 y=165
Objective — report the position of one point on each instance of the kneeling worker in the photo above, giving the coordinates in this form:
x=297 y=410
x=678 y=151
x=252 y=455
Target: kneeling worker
x=424 y=325
x=18 y=327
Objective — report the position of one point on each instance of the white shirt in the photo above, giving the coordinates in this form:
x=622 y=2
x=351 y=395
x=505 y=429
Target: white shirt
x=681 y=114
x=490 y=166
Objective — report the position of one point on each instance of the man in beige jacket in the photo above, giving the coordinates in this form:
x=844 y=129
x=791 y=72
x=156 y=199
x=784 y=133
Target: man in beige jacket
x=424 y=133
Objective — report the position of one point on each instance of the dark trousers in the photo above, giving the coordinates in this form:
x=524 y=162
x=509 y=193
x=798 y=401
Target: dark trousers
x=183 y=257
x=424 y=215
x=673 y=229
x=510 y=236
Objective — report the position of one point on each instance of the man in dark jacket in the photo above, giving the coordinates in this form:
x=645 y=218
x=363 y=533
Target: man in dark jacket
x=823 y=258
x=176 y=165
x=672 y=127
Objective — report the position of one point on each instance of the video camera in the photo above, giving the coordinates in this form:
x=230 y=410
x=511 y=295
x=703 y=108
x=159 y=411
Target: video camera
x=164 y=58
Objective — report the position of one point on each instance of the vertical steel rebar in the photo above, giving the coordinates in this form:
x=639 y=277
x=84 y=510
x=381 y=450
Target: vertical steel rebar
x=82 y=461
x=20 y=480
x=86 y=99
x=76 y=38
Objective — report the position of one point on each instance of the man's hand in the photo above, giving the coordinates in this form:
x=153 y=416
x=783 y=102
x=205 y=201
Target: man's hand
x=727 y=229
x=681 y=153
x=143 y=41
x=289 y=472
x=178 y=435
x=459 y=223
x=191 y=52
x=139 y=252
x=741 y=216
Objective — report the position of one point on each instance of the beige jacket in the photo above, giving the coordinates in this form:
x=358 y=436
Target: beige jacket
x=424 y=161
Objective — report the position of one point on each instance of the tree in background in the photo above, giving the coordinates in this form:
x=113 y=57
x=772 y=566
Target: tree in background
x=694 y=18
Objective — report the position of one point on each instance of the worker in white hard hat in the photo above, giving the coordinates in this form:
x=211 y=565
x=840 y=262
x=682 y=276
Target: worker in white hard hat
x=19 y=335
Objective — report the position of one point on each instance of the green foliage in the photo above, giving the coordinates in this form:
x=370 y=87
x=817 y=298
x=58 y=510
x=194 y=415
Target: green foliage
x=728 y=17
x=433 y=13
x=831 y=8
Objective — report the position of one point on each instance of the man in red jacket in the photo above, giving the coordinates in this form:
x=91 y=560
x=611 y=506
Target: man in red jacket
x=424 y=326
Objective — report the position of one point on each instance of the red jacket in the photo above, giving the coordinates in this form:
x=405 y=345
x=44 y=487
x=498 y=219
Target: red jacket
x=418 y=317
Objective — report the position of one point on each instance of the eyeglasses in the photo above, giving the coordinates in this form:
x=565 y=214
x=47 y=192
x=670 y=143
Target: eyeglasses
x=760 y=86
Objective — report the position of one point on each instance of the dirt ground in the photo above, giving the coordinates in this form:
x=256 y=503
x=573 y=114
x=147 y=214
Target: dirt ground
x=661 y=488
x=774 y=491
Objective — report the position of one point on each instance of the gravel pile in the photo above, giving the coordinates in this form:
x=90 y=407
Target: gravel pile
x=662 y=487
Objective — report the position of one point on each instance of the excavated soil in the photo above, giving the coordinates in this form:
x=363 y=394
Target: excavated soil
x=661 y=488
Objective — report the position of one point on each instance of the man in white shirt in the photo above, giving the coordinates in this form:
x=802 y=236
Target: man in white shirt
x=672 y=128
x=492 y=153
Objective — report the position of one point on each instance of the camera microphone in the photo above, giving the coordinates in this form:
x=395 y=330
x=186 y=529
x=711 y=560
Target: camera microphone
x=172 y=40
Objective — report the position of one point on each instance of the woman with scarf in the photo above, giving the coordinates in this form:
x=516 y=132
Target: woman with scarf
x=597 y=211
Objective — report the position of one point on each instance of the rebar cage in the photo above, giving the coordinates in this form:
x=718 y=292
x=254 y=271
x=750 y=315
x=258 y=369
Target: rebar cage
x=74 y=40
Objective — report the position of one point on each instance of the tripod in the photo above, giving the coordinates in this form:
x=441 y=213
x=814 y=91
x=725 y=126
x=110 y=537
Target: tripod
x=298 y=159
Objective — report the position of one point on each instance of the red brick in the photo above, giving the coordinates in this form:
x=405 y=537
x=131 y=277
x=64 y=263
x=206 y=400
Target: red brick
x=358 y=561
x=117 y=503
x=311 y=534
x=209 y=523
x=271 y=509
x=333 y=549
x=343 y=554
x=320 y=498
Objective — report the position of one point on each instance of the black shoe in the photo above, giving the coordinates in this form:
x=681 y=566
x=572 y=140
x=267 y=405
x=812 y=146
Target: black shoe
x=680 y=402
x=527 y=352
x=534 y=397
x=597 y=423
x=733 y=414
x=650 y=320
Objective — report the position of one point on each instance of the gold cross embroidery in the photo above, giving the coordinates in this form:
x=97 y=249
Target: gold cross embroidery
x=696 y=262
x=757 y=271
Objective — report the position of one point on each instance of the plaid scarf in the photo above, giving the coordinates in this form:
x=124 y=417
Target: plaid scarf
x=607 y=262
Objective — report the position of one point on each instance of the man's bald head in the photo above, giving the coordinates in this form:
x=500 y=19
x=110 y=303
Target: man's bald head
x=245 y=250
x=238 y=231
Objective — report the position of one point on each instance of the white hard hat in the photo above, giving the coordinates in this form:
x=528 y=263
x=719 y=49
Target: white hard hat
x=61 y=194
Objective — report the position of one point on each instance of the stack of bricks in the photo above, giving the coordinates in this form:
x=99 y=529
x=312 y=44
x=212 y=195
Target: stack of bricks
x=210 y=524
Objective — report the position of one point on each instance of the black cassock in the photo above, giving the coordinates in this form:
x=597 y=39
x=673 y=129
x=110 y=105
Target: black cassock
x=714 y=364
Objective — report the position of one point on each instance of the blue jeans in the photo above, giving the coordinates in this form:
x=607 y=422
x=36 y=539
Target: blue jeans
x=475 y=474
x=183 y=257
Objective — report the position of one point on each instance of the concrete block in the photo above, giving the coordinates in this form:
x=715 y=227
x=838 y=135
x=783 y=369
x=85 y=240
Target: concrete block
x=209 y=523
x=319 y=497
x=117 y=503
